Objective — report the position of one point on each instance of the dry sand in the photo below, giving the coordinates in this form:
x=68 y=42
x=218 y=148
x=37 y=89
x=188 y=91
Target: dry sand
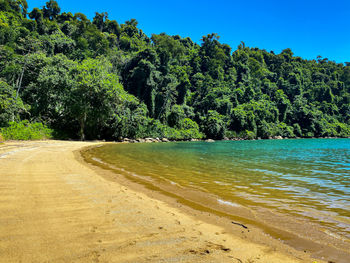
x=55 y=208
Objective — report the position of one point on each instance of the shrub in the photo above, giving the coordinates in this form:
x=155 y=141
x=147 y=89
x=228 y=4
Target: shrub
x=25 y=130
x=1 y=138
x=190 y=131
x=231 y=134
x=214 y=126
x=249 y=135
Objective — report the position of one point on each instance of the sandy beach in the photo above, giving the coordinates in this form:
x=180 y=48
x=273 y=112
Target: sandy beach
x=56 y=208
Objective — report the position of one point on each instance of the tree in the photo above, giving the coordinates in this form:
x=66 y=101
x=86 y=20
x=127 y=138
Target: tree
x=214 y=125
x=94 y=95
x=10 y=105
x=100 y=19
x=18 y=6
x=37 y=14
x=51 y=90
x=51 y=10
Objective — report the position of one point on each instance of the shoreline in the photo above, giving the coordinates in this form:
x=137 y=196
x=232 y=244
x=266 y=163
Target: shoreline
x=165 y=140
x=207 y=206
x=55 y=207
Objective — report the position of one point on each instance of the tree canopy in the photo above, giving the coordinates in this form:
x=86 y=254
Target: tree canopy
x=101 y=79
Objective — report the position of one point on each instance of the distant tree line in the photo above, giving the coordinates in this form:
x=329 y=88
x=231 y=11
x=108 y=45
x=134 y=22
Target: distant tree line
x=103 y=80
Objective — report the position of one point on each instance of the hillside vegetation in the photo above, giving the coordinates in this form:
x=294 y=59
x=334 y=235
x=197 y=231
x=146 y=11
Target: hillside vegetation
x=103 y=80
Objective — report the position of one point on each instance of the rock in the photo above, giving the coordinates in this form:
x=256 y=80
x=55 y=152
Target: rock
x=226 y=139
x=165 y=140
x=210 y=140
x=126 y=140
x=278 y=137
x=194 y=140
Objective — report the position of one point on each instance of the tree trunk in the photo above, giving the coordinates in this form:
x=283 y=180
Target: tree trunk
x=82 y=126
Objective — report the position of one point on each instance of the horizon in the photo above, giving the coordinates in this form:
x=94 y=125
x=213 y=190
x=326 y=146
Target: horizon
x=311 y=29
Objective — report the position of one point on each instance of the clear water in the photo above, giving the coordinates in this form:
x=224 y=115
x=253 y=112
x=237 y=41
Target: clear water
x=308 y=178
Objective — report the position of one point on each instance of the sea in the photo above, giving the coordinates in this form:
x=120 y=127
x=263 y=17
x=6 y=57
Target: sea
x=306 y=181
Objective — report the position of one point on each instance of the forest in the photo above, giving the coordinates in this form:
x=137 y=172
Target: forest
x=100 y=79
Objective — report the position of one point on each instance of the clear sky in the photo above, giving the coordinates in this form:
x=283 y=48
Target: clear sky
x=309 y=27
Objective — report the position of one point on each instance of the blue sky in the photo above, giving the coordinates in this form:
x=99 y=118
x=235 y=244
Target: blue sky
x=310 y=28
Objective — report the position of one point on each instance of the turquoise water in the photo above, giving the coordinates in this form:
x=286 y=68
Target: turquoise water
x=309 y=178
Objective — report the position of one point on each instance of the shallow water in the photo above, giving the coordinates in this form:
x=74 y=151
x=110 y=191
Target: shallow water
x=307 y=178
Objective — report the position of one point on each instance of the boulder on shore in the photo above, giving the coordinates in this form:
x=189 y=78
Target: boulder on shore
x=210 y=140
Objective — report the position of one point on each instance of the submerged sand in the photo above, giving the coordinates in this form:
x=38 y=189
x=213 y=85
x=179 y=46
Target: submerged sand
x=55 y=208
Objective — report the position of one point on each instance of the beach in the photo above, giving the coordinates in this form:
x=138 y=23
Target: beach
x=54 y=207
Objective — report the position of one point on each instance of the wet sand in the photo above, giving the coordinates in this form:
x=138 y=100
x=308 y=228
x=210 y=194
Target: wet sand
x=56 y=208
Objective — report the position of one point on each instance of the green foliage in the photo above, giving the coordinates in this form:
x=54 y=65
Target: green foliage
x=94 y=95
x=191 y=131
x=267 y=130
x=25 y=130
x=214 y=125
x=130 y=120
x=10 y=106
x=105 y=80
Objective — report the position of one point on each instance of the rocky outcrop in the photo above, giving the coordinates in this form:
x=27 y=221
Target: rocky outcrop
x=146 y=140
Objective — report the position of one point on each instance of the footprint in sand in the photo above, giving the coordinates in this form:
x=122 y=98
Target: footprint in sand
x=236 y=260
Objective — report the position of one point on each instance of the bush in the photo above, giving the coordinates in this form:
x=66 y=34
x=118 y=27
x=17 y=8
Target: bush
x=248 y=135
x=214 y=126
x=267 y=130
x=231 y=134
x=1 y=138
x=25 y=130
x=190 y=130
